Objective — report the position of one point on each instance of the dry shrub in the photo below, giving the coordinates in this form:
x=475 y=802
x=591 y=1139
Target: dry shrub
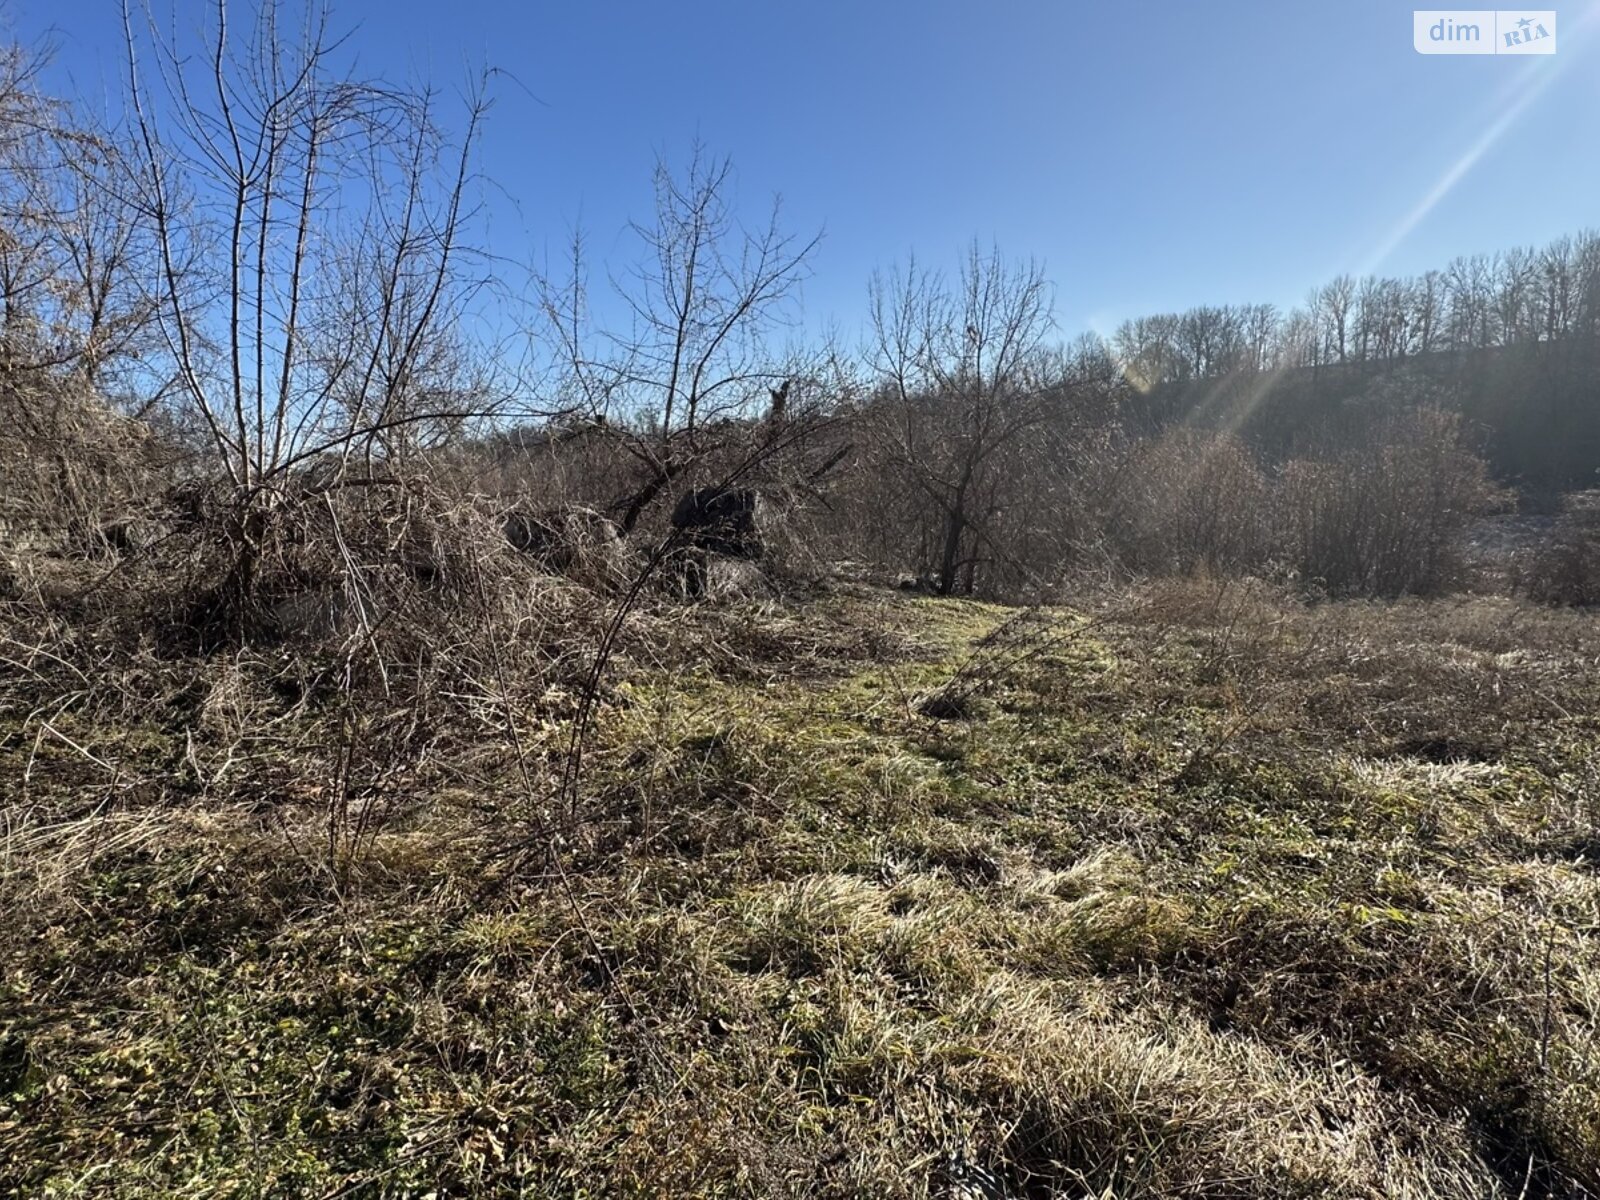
x=1187 y=502
x=1565 y=570
x=70 y=463
x=572 y=541
x=394 y=572
x=393 y=583
x=1386 y=516
x=381 y=636
x=540 y=468
x=792 y=554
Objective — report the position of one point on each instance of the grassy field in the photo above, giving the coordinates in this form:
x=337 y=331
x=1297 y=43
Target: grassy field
x=1192 y=891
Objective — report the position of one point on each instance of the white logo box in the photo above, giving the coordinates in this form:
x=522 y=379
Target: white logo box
x=1484 y=31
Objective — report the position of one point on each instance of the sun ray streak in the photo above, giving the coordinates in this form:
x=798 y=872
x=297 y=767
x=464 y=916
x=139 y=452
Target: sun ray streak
x=1535 y=79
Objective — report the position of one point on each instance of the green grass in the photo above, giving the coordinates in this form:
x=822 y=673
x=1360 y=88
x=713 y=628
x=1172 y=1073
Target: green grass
x=1214 y=896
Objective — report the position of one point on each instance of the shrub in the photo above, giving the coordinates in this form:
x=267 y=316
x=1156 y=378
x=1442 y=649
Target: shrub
x=71 y=462
x=1190 y=501
x=1385 y=516
x=1565 y=570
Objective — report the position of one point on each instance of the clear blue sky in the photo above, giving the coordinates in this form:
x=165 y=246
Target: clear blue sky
x=1155 y=154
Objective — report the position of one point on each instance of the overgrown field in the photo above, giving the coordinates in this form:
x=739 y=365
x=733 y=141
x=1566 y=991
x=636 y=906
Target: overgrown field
x=1191 y=891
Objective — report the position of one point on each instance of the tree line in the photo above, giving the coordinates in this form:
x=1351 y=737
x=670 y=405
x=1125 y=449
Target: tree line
x=278 y=262
x=1477 y=302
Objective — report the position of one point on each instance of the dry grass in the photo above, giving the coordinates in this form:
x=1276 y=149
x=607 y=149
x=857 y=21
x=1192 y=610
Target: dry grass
x=1566 y=568
x=1220 y=896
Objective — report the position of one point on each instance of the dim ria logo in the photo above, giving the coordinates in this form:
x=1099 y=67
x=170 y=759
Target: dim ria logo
x=1483 y=31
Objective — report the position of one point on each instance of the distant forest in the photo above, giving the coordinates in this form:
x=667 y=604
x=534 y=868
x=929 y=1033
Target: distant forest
x=1511 y=341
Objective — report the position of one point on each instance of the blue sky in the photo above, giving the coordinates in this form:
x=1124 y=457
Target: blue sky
x=1155 y=154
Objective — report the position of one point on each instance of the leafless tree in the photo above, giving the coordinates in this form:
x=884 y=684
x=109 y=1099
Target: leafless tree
x=309 y=234
x=310 y=264
x=1516 y=274
x=703 y=304
x=72 y=252
x=1333 y=303
x=959 y=370
x=1260 y=323
x=1295 y=342
x=1469 y=285
x=1427 y=295
x=1147 y=348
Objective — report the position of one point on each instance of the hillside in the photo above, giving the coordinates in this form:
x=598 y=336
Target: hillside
x=1530 y=406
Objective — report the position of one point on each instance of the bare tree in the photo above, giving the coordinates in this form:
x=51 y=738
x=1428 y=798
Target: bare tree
x=1586 y=259
x=1557 y=297
x=703 y=304
x=1295 y=342
x=309 y=259
x=958 y=368
x=1516 y=275
x=1260 y=326
x=1212 y=339
x=1427 y=311
x=72 y=253
x=1333 y=303
x=1148 y=350
x=1470 y=287
x=335 y=202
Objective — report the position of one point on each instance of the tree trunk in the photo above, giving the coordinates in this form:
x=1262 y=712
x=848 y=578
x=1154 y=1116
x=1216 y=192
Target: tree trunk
x=955 y=523
x=633 y=507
